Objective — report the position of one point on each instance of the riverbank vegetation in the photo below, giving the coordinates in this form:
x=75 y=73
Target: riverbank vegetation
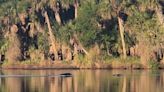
x=82 y=33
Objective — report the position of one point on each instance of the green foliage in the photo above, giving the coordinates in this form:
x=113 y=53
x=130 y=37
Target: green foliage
x=43 y=42
x=6 y=8
x=86 y=24
x=154 y=64
x=65 y=32
x=67 y=2
x=104 y=9
x=3 y=46
x=96 y=23
x=22 y=5
x=84 y=61
x=144 y=26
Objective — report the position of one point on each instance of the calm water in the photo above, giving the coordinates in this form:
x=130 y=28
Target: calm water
x=81 y=81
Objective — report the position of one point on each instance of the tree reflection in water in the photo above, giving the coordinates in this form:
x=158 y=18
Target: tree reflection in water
x=83 y=81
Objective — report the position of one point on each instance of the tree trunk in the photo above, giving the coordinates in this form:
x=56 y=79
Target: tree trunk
x=80 y=45
x=57 y=16
x=162 y=61
x=121 y=29
x=51 y=36
x=75 y=12
x=160 y=16
x=76 y=5
x=107 y=49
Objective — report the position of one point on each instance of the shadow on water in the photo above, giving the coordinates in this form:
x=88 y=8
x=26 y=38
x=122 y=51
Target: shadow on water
x=81 y=81
x=19 y=76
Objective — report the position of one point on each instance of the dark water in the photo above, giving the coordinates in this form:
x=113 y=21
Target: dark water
x=81 y=81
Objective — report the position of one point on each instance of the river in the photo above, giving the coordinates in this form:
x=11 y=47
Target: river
x=82 y=81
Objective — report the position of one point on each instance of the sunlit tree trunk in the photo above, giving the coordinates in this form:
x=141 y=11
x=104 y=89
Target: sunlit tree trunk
x=51 y=36
x=57 y=17
x=121 y=29
x=160 y=16
x=107 y=48
x=55 y=6
x=162 y=61
x=76 y=5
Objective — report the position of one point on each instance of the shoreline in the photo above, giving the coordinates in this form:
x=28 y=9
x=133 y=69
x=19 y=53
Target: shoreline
x=71 y=67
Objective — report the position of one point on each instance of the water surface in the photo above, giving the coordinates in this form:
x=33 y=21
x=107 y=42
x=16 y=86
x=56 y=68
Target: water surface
x=81 y=81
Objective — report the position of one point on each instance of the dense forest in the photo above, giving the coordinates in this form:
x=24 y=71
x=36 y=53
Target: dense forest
x=85 y=32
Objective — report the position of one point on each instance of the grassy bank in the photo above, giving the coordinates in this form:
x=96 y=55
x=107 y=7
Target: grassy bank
x=107 y=63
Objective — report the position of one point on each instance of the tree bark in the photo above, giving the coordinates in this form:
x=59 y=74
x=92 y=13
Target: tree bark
x=121 y=29
x=162 y=61
x=57 y=17
x=51 y=36
x=160 y=16
x=76 y=5
x=107 y=49
x=80 y=45
x=56 y=11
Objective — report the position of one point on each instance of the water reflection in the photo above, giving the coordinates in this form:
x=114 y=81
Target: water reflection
x=83 y=81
